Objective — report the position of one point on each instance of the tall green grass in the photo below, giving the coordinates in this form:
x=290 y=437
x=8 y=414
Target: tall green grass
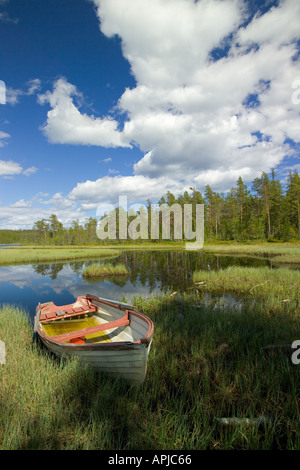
x=204 y=364
x=96 y=270
x=280 y=253
x=32 y=254
x=276 y=285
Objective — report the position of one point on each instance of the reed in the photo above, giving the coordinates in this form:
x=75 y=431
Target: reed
x=104 y=270
x=33 y=254
x=281 y=252
x=284 y=253
x=204 y=364
x=280 y=285
x=288 y=253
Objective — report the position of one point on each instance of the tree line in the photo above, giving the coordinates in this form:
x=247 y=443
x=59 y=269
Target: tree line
x=266 y=211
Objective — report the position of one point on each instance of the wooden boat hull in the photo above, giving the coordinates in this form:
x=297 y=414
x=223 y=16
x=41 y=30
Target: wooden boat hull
x=124 y=350
x=129 y=363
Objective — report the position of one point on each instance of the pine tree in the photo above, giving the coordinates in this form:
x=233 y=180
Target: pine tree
x=276 y=204
x=241 y=195
x=209 y=200
x=262 y=187
x=293 y=199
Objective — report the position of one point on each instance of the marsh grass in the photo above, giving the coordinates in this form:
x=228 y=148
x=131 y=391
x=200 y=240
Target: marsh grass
x=96 y=270
x=280 y=253
x=34 y=254
x=203 y=365
x=288 y=253
x=283 y=252
x=279 y=286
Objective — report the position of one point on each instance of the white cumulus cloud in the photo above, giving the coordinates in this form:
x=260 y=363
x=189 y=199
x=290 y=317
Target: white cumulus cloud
x=90 y=194
x=66 y=125
x=9 y=168
x=213 y=95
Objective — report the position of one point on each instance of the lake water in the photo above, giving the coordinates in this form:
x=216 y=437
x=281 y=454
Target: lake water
x=151 y=273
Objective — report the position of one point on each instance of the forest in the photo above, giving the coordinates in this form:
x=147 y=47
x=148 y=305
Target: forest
x=265 y=212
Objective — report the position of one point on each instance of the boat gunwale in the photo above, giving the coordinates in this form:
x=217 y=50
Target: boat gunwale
x=119 y=345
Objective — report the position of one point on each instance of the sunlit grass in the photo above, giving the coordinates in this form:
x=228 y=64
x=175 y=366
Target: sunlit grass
x=34 y=254
x=96 y=270
x=280 y=253
x=282 y=285
x=204 y=364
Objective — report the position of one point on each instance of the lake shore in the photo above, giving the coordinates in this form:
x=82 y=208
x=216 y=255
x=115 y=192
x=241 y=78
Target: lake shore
x=35 y=254
x=276 y=286
x=205 y=367
x=283 y=253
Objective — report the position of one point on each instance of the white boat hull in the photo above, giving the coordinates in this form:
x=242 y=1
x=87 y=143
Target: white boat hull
x=125 y=352
x=129 y=364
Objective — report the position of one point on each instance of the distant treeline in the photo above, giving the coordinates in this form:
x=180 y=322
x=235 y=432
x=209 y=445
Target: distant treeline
x=266 y=212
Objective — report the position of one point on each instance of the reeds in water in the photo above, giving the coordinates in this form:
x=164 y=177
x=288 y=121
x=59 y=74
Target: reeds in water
x=96 y=270
x=276 y=285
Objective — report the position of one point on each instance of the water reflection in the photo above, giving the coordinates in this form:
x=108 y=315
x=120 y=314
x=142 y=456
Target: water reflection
x=150 y=273
x=50 y=270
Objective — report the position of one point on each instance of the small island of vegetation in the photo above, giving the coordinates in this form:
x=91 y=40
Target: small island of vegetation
x=97 y=270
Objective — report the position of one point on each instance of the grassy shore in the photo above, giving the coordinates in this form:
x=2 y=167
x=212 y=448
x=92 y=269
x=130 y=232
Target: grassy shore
x=288 y=253
x=279 y=252
x=34 y=254
x=203 y=366
x=278 y=286
x=284 y=252
x=96 y=270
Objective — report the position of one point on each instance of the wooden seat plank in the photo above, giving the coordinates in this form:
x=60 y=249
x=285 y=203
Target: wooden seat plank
x=93 y=329
x=44 y=317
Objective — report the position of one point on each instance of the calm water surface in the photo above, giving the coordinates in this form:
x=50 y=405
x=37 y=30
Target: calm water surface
x=151 y=273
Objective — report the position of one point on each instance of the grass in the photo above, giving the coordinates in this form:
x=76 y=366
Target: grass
x=34 y=254
x=288 y=253
x=96 y=270
x=278 y=286
x=280 y=253
x=203 y=365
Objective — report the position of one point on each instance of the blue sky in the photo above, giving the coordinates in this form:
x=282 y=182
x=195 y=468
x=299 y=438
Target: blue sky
x=109 y=98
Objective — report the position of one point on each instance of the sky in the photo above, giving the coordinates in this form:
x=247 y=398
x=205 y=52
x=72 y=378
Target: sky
x=107 y=98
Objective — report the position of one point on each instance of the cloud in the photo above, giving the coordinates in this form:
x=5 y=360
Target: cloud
x=3 y=137
x=33 y=86
x=60 y=202
x=23 y=214
x=66 y=125
x=13 y=95
x=280 y=25
x=30 y=171
x=189 y=111
x=21 y=204
x=213 y=95
x=10 y=168
x=5 y=18
x=2 y=92
x=137 y=189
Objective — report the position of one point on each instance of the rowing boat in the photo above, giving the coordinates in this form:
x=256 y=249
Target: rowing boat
x=110 y=336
